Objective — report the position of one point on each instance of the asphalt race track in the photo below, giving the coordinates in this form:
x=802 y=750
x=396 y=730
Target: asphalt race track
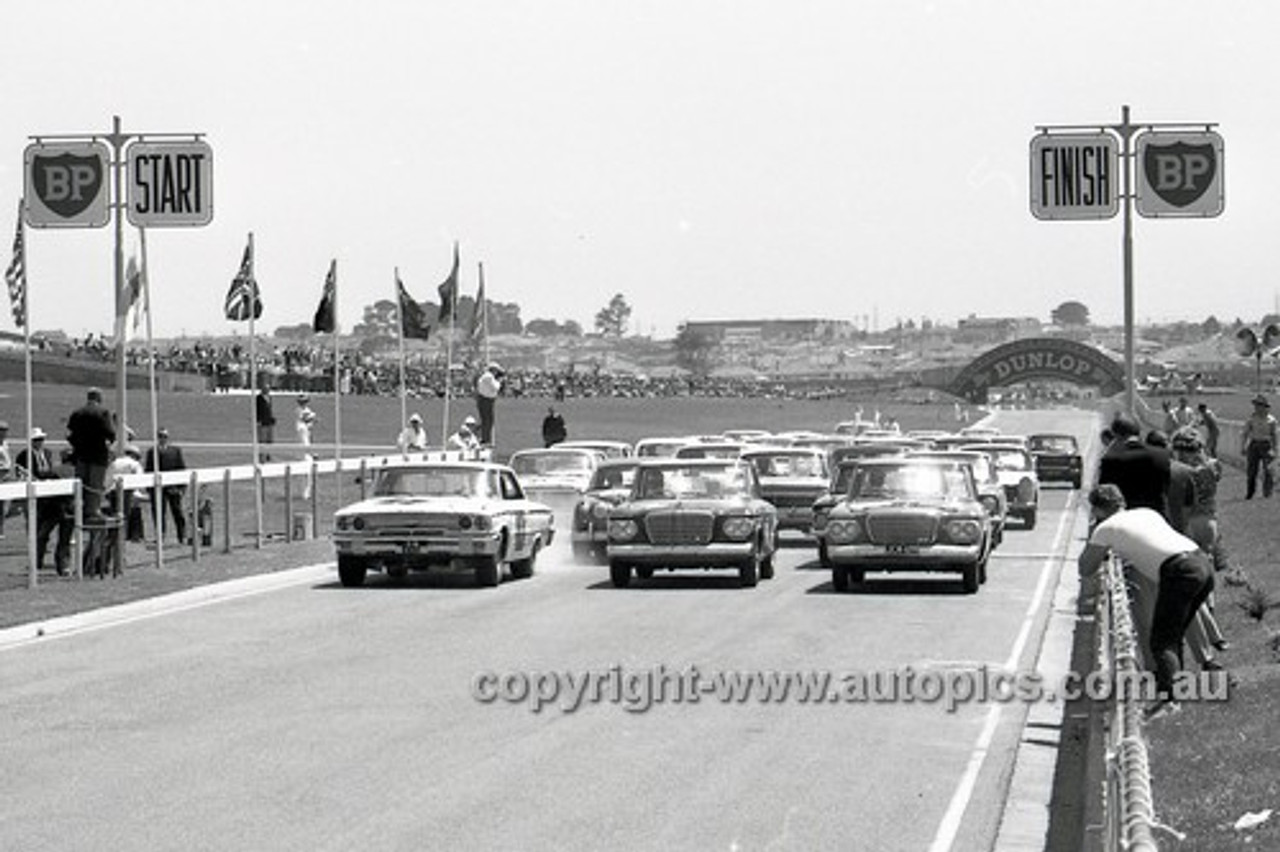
x=317 y=717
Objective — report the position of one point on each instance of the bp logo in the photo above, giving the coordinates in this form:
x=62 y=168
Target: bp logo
x=66 y=184
x=1181 y=174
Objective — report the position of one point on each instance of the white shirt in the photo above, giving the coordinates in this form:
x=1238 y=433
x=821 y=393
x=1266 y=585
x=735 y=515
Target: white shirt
x=1142 y=538
x=306 y=417
x=488 y=385
x=413 y=437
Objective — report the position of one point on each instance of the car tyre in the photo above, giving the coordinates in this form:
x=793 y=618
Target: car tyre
x=840 y=578
x=1076 y=483
x=489 y=571
x=982 y=572
x=969 y=578
x=749 y=571
x=522 y=569
x=645 y=572
x=824 y=558
x=766 y=565
x=1029 y=519
x=351 y=571
x=397 y=573
x=620 y=574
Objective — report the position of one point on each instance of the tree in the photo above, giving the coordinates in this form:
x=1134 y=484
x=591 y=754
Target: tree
x=1211 y=326
x=301 y=331
x=1070 y=314
x=695 y=350
x=611 y=321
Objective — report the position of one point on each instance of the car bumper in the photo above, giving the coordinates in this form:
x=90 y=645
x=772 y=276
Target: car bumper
x=727 y=554
x=428 y=548
x=879 y=557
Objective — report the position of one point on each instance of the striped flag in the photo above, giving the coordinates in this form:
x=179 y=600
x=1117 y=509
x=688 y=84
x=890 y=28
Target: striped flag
x=15 y=276
x=477 y=316
x=413 y=321
x=325 y=318
x=448 y=291
x=243 y=297
x=134 y=293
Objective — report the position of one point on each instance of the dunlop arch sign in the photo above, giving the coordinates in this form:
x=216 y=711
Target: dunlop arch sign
x=1042 y=358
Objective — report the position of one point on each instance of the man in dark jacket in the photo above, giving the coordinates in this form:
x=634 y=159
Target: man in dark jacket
x=553 y=428
x=53 y=514
x=1141 y=471
x=91 y=434
x=170 y=458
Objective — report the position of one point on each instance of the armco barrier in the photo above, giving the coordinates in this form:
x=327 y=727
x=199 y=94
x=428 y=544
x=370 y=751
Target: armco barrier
x=198 y=480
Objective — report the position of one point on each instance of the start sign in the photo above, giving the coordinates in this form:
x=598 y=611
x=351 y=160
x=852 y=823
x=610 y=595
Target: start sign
x=170 y=184
x=1179 y=174
x=66 y=184
x=1075 y=176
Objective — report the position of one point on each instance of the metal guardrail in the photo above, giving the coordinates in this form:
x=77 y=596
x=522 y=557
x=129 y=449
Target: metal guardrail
x=1128 y=805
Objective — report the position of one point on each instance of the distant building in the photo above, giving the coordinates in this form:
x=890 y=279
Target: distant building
x=773 y=330
x=994 y=330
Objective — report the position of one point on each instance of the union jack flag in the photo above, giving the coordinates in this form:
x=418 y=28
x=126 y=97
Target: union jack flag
x=15 y=276
x=448 y=291
x=243 y=296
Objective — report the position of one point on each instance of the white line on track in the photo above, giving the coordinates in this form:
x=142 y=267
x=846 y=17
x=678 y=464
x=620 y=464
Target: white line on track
x=945 y=837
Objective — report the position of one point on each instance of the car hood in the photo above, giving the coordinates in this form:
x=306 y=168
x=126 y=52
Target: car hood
x=730 y=504
x=410 y=504
x=612 y=496
x=879 y=507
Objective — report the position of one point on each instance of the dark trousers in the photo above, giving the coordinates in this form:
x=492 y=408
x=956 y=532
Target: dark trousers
x=1258 y=457
x=53 y=515
x=93 y=478
x=1185 y=583
x=484 y=405
x=173 y=495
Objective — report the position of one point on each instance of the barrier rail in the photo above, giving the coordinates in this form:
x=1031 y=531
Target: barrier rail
x=195 y=480
x=1128 y=806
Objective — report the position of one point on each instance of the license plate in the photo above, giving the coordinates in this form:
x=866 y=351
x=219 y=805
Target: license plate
x=901 y=548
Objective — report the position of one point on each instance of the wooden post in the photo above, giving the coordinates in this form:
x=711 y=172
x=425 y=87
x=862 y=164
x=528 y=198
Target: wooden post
x=117 y=563
x=77 y=552
x=193 y=529
x=315 y=497
x=288 y=503
x=226 y=510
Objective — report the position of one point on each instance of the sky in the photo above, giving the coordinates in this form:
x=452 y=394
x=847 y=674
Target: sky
x=707 y=159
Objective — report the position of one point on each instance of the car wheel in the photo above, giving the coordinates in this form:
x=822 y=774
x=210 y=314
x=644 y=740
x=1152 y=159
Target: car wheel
x=1029 y=519
x=397 y=573
x=522 y=569
x=969 y=577
x=824 y=558
x=620 y=574
x=840 y=578
x=351 y=571
x=982 y=572
x=489 y=571
x=748 y=571
x=766 y=565
x=1076 y=483
x=645 y=572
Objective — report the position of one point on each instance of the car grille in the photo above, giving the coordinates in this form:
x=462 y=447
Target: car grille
x=789 y=499
x=417 y=523
x=901 y=529
x=679 y=527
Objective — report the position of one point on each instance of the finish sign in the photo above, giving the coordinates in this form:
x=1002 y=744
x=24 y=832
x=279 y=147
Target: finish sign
x=1075 y=176
x=1179 y=174
x=169 y=184
x=66 y=184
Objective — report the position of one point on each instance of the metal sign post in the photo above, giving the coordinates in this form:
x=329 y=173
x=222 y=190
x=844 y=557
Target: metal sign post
x=1072 y=178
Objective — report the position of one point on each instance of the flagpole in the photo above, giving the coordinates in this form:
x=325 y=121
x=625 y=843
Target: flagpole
x=404 y=415
x=253 y=399
x=337 y=394
x=448 y=358
x=484 y=316
x=33 y=578
x=151 y=393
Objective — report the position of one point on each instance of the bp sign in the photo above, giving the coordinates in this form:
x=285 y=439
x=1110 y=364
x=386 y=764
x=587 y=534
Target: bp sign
x=1179 y=174
x=66 y=184
x=169 y=183
x=1074 y=176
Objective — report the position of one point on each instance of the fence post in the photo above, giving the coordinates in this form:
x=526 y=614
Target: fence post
x=315 y=499
x=226 y=510
x=77 y=552
x=288 y=503
x=122 y=511
x=364 y=479
x=193 y=528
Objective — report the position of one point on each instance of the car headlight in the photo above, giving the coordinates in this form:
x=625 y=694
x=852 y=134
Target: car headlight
x=357 y=523
x=600 y=511
x=990 y=503
x=738 y=529
x=844 y=531
x=482 y=523
x=1026 y=490
x=342 y=522
x=964 y=531
x=464 y=522
x=623 y=529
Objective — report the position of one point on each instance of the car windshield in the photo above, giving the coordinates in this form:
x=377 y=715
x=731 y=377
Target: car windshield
x=1054 y=443
x=703 y=482
x=540 y=464
x=659 y=448
x=434 y=482
x=910 y=482
x=1011 y=460
x=709 y=451
x=608 y=478
x=788 y=464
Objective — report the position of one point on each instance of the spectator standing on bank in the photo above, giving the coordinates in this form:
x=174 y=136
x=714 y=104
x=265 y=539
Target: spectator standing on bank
x=266 y=419
x=1139 y=470
x=553 y=428
x=488 y=386
x=91 y=434
x=1208 y=423
x=1257 y=445
x=304 y=423
x=413 y=437
x=53 y=514
x=1180 y=572
x=170 y=458
x=1183 y=416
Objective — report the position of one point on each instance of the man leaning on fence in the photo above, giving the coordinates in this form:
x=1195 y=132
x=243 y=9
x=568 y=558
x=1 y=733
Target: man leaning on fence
x=1166 y=559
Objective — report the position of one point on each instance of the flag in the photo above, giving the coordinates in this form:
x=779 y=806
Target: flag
x=244 y=290
x=324 y=319
x=133 y=293
x=15 y=276
x=413 y=323
x=477 y=316
x=448 y=291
